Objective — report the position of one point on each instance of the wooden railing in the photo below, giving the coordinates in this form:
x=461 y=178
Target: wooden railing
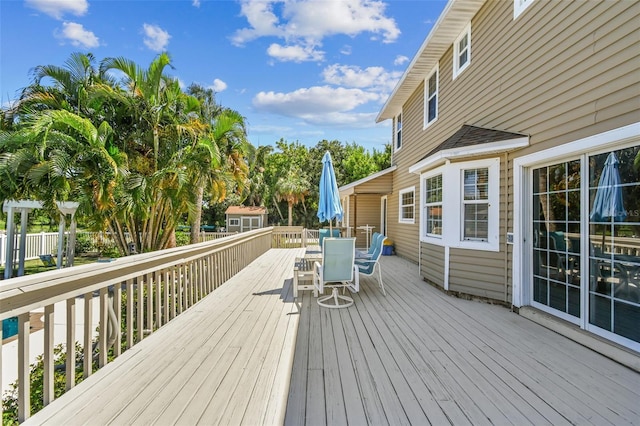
x=134 y=295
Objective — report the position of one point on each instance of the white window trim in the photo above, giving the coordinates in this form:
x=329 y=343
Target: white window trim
x=431 y=238
x=395 y=132
x=452 y=204
x=520 y=6
x=402 y=192
x=457 y=70
x=231 y=221
x=436 y=71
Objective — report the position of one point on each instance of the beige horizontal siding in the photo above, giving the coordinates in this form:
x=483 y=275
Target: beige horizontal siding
x=380 y=185
x=432 y=264
x=560 y=72
x=368 y=213
x=480 y=273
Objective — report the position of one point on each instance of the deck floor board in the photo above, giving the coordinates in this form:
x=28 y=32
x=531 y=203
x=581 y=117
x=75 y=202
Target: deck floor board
x=247 y=354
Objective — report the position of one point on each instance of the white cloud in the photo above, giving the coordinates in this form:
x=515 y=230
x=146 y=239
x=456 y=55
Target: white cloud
x=400 y=59
x=195 y=3
x=305 y=23
x=294 y=53
x=77 y=35
x=346 y=50
x=58 y=8
x=373 y=78
x=319 y=105
x=155 y=38
x=218 y=85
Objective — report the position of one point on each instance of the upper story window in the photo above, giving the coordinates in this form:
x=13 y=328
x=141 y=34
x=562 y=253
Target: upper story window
x=462 y=52
x=431 y=98
x=432 y=211
x=397 y=133
x=407 y=205
x=519 y=6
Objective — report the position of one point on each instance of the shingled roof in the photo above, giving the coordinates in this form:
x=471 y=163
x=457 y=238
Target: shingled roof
x=472 y=136
x=471 y=140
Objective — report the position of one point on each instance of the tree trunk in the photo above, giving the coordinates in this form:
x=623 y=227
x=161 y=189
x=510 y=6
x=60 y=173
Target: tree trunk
x=290 y=214
x=197 y=216
x=275 y=203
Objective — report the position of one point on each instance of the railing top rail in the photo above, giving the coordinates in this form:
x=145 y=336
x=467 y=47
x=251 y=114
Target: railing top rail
x=22 y=294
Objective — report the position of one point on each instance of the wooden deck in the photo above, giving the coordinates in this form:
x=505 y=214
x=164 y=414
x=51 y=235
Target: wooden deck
x=244 y=355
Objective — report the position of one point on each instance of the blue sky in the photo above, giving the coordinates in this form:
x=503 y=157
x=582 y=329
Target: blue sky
x=302 y=70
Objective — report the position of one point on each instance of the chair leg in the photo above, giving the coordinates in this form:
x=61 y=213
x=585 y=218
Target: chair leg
x=380 y=280
x=322 y=301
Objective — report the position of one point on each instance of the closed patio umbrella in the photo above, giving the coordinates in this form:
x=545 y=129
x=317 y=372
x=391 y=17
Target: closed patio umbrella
x=608 y=205
x=329 y=206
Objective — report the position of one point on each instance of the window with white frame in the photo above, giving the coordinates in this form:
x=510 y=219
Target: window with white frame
x=462 y=52
x=398 y=132
x=475 y=204
x=433 y=205
x=519 y=6
x=431 y=98
x=234 y=222
x=471 y=203
x=407 y=205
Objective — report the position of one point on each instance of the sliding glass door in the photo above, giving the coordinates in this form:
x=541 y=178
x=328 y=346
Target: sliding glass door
x=600 y=236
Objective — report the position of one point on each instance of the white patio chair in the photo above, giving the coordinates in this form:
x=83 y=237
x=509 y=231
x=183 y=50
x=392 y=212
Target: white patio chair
x=337 y=270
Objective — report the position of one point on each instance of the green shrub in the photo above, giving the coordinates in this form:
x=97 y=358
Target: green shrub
x=83 y=244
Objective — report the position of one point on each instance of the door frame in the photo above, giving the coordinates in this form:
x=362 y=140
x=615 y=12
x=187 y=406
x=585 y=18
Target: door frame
x=522 y=215
x=384 y=210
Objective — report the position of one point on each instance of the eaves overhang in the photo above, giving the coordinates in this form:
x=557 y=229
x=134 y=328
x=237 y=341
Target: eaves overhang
x=471 y=141
x=452 y=21
x=351 y=188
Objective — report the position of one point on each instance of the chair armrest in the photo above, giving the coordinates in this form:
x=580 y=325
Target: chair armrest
x=362 y=255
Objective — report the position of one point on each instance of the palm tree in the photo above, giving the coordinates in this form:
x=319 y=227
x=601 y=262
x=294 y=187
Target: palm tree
x=59 y=156
x=292 y=188
x=71 y=85
x=218 y=163
x=164 y=122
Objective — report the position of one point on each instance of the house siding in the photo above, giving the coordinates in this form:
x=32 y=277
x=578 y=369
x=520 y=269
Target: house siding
x=368 y=214
x=559 y=72
x=432 y=264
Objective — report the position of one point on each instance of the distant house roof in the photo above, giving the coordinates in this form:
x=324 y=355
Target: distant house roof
x=251 y=210
x=468 y=141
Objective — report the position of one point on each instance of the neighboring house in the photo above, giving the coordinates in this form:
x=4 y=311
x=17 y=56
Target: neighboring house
x=501 y=126
x=245 y=218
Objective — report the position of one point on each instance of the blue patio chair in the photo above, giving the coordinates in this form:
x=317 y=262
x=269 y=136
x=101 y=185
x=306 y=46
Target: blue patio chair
x=324 y=233
x=368 y=266
x=361 y=254
x=337 y=270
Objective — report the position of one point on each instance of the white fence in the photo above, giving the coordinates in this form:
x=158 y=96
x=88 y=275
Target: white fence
x=36 y=244
x=47 y=242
